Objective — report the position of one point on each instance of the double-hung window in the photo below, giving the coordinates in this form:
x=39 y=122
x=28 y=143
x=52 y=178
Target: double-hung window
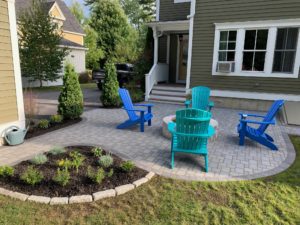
x=258 y=49
x=285 y=50
x=255 y=48
x=227 y=46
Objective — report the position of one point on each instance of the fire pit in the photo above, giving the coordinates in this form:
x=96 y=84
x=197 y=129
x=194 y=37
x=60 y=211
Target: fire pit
x=172 y=118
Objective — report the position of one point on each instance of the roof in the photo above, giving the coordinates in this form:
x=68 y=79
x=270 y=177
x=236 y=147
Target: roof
x=67 y=43
x=70 y=24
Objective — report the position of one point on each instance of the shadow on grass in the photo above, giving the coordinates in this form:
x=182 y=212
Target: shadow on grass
x=290 y=176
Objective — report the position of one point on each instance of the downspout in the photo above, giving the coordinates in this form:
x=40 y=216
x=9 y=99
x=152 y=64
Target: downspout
x=191 y=31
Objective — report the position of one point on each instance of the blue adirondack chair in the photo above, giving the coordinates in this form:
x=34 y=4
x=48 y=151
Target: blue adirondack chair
x=145 y=115
x=200 y=99
x=259 y=134
x=190 y=133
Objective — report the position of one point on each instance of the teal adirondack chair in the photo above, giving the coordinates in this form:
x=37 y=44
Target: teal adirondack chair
x=190 y=133
x=200 y=99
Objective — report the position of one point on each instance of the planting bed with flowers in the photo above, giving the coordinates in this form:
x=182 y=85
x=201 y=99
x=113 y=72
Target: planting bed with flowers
x=74 y=170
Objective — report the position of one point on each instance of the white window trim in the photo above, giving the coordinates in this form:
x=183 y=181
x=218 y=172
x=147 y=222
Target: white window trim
x=241 y=27
x=181 y=1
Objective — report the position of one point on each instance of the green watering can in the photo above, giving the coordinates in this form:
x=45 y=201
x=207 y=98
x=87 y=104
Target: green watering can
x=14 y=135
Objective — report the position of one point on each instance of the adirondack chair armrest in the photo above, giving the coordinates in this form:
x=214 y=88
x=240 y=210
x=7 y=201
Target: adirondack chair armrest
x=136 y=110
x=211 y=104
x=171 y=127
x=187 y=103
x=146 y=105
x=258 y=122
x=251 y=115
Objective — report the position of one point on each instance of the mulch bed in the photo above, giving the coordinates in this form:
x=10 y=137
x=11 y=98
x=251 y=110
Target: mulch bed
x=79 y=183
x=36 y=131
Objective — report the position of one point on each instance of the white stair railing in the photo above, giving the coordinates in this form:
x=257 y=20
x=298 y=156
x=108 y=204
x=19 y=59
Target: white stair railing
x=158 y=73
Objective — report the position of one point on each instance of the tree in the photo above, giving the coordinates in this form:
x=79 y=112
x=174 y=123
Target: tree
x=111 y=24
x=110 y=95
x=71 y=98
x=40 y=54
x=148 y=10
x=139 y=12
x=94 y=53
x=77 y=11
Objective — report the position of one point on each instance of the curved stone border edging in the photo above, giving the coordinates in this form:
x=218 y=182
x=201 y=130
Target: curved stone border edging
x=78 y=198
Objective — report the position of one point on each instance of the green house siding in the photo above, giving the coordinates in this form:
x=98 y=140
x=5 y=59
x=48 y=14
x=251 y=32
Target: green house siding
x=162 y=49
x=173 y=58
x=170 y=11
x=209 y=12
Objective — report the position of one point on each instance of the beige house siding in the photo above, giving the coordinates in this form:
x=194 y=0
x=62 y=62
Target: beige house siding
x=8 y=99
x=209 y=12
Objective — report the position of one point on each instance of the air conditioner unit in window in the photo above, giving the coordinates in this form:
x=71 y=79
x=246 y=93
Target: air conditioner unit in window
x=225 y=67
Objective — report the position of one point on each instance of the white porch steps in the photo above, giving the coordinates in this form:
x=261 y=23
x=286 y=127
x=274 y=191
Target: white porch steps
x=168 y=94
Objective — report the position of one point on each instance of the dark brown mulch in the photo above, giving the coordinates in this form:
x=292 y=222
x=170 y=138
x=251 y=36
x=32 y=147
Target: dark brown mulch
x=36 y=131
x=79 y=183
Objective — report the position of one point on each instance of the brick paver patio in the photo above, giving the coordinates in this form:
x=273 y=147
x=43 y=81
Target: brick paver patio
x=151 y=151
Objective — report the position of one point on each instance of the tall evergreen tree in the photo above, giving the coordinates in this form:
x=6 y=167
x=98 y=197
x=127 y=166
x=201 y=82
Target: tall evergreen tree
x=94 y=53
x=111 y=24
x=40 y=54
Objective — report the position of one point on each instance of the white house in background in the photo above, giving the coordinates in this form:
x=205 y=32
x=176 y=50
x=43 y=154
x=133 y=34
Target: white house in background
x=72 y=32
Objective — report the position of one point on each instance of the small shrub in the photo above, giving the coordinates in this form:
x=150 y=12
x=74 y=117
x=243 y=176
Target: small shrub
x=110 y=173
x=136 y=94
x=6 y=171
x=110 y=95
x=56 y=119
x=57 y=150
x=77 y=159
x=96 y=176
x=106 y=161
x=85 y=77
x=97 y=151
x=127 y=166
x=43 y=124
x=65 y=163
x=62 y=177
x=71 y=98
x=32 y=176
x=39 y=159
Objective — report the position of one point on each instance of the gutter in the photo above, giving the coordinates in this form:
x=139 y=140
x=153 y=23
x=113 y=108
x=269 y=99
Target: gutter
x=73 y=47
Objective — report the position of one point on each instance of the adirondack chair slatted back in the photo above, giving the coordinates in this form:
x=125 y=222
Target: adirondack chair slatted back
x=186 y=123
x=126 y=99
x=271 y=115
x=200 y=97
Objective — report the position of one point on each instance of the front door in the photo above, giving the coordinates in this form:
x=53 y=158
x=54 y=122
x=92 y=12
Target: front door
x=183 y=47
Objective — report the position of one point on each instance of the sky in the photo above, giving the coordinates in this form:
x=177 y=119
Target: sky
x=86 y=9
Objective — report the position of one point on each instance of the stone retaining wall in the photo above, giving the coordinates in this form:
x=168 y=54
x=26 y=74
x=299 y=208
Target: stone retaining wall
x=78 y=198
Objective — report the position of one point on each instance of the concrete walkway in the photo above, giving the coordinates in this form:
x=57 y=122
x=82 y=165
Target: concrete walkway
x=151 y=151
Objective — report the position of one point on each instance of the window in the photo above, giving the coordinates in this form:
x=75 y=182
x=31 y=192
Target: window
x=285 y=51
x=257 y=49
x=227 y=46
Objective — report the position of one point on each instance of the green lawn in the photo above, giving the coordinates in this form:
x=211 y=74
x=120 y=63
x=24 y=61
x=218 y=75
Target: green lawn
x=274 y=200
x=58 y=88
